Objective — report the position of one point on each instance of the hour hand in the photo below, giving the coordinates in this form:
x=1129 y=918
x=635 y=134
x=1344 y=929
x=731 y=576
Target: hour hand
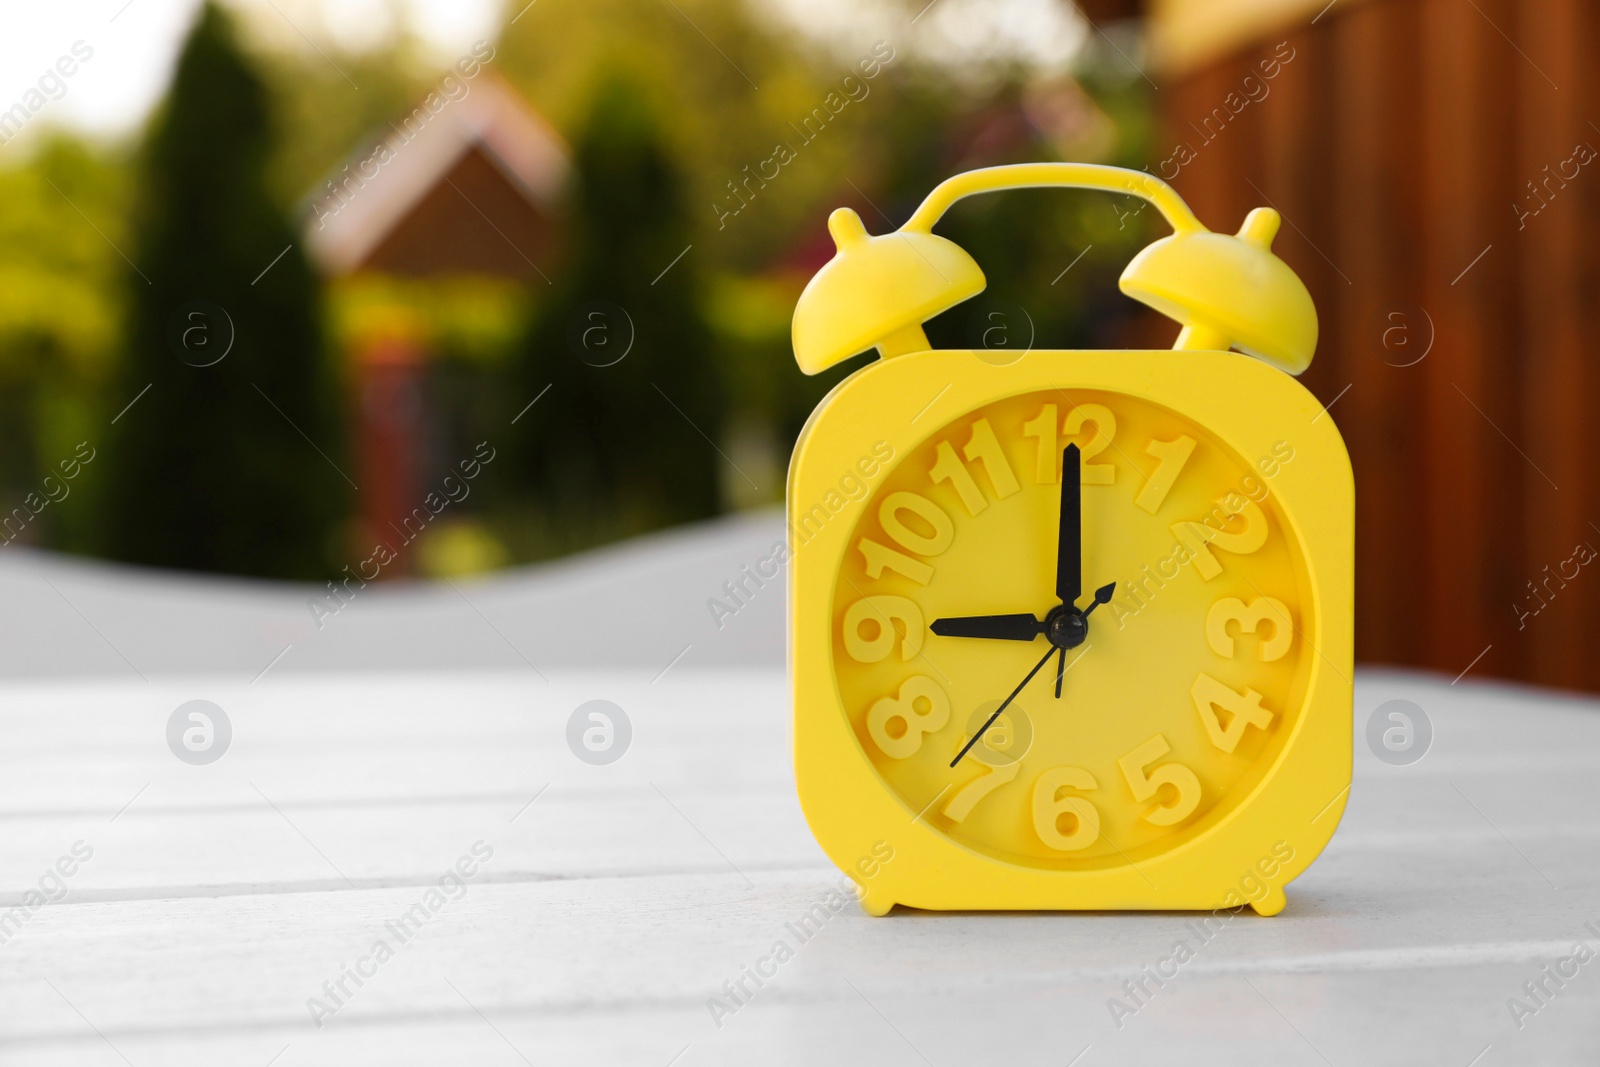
x=993 y=627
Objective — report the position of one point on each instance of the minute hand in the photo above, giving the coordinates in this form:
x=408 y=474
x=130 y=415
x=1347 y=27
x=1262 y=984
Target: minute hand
x=992 y=627
x=1069 y=538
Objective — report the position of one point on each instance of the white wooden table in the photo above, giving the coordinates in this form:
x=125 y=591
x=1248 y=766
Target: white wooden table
x=619 y=899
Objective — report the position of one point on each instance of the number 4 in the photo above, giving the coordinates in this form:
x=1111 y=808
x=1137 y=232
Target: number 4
x=1244 y=709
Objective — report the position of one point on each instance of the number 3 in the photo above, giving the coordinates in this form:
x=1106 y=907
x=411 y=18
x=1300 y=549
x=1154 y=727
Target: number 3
x=1250 y=617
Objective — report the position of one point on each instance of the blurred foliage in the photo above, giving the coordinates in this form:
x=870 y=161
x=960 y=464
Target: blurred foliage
x=622 y=444
x=752 y=134
x=60 y=313
x=225 y=466
x=331 y=109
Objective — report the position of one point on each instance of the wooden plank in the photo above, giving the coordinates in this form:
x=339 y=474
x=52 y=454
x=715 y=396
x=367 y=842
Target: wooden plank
x=599 y=949
x=1296 y=138
x=609 y=914
x=1555 y=90
x=1386 y=332
x=1461 y=127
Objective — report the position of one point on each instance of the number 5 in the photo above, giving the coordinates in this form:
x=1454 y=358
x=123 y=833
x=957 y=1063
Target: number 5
x=1174 y=774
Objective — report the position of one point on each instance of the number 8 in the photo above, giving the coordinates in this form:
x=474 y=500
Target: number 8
x=903 y=708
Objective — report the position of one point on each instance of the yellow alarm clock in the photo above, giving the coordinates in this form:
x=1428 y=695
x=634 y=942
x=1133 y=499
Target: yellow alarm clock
x=1080 y=636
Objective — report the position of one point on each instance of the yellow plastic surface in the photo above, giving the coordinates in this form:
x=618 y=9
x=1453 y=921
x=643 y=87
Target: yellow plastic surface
x=1215 y=493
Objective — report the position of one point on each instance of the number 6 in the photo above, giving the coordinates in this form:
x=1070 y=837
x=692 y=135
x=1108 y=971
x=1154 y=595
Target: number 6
x=1048 y=809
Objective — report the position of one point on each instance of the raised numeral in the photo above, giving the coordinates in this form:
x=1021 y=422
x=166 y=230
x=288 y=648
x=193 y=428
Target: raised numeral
x=1065 y=823
x=879 y=558
x=941 y=530
x=1171 y=456
x=963 y=802
x=982 y=447
x=1244 y=709
x=1200 y=537
x=1105 y=428
x=949 y=468
x=1250 y=617
x=1000 y=750
x=1145 y=786
x=882 y=612
x=1043 y=427
x=897 y=724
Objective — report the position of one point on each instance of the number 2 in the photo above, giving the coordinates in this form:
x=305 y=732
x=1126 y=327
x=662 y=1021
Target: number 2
x=1200 y=537
x=1105 y=428
x=1043 y=428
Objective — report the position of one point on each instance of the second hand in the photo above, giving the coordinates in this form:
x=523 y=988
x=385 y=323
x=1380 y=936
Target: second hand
x=1005 y=704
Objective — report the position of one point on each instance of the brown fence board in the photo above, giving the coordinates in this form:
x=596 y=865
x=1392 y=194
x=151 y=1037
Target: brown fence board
x=1395 y=144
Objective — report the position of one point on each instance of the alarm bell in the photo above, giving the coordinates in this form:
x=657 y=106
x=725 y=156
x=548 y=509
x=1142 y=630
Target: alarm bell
x=878 y=291
x=1229 y=292
x=1226 y=290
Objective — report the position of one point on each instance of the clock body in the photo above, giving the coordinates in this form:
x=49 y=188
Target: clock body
x=1199 y=753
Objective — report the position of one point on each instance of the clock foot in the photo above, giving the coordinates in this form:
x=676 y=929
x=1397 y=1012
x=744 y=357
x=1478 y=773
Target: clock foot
x=876 y=904
x=1272 y=903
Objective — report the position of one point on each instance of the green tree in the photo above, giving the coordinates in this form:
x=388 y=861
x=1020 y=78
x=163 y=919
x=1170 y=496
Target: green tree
x=60 y=320
x=621 y=443
x=225 y=467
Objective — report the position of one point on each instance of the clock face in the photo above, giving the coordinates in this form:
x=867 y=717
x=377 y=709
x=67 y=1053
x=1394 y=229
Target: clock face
x=1162 y=586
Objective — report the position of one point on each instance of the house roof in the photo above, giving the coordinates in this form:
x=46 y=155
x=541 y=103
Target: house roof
x=362 y=204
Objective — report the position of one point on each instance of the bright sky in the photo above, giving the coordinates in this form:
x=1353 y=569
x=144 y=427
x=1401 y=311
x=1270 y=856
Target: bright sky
x=134 y=41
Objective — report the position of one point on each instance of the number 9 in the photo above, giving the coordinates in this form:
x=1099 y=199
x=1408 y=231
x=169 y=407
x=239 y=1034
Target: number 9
x=882 y=610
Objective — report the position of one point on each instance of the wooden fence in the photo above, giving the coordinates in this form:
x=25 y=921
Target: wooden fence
x=1435 y=163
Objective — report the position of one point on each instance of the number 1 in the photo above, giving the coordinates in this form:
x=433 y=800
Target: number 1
x=1172 y=455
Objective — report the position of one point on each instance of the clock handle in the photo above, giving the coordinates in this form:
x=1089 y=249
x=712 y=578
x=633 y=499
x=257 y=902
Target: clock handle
x=1225 y=290
x=1066 y=175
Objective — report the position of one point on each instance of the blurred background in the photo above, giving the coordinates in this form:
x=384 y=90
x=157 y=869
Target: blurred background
x=363 y=292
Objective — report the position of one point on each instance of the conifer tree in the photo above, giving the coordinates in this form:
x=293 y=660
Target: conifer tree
x=621 y=443
x=226 y=461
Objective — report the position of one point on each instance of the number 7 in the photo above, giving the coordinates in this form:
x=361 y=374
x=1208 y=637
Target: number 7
x=963 y=802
